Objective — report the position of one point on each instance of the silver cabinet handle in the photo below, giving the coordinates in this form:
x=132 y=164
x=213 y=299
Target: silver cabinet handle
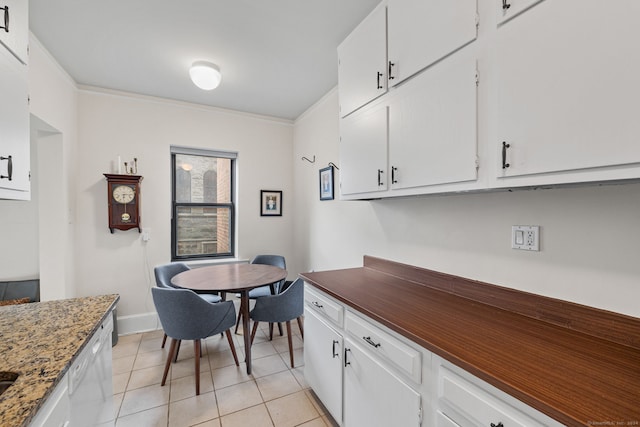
x=334 y=349
x=317 y=304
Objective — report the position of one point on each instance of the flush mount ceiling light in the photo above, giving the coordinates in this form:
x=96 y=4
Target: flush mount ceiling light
x=205 y=75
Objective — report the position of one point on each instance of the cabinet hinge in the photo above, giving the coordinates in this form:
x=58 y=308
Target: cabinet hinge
x=420 y=415
x=477 y=162
x=477 y=78
x=477 y=20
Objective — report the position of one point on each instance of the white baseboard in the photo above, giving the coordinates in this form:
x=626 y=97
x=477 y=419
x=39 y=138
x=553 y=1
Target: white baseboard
x=137 y=323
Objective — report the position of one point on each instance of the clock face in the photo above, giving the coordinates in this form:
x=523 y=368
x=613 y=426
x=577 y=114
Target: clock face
x=123 y=194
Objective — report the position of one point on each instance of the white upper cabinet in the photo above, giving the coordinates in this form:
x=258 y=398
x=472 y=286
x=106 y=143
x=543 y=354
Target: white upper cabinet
x=567 y=93
x=14 y=27
x=363 y=151
x=14 y=129
x=432 y=126
x=420 y=32
x=508 y=9
x=362 y=62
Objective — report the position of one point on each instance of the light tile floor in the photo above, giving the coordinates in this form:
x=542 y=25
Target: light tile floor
x=274 y=395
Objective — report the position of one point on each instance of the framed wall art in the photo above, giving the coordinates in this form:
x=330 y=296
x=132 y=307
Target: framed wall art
x=270 y=203
x=326 y=183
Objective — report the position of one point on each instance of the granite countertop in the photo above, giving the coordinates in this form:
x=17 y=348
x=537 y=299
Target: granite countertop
x=39 y=341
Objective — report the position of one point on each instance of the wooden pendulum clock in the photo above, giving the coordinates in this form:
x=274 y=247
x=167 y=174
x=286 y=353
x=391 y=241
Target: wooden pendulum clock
x=123 y=193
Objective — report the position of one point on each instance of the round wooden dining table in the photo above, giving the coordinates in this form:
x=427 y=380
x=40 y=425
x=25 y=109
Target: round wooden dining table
x=232 y=278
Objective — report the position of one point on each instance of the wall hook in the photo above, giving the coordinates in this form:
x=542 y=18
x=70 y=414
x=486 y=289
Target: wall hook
x=334 y=165
x=310 y=161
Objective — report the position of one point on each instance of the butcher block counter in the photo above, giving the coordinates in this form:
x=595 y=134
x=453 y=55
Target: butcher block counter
x=39 y=342
x=578 y=365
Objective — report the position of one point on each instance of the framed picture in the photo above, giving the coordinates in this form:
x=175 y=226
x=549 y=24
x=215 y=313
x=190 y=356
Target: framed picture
x=326 y=183
x=270 y=203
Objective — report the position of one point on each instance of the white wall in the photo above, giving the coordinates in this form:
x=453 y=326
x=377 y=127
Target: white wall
x=589 y=236
x=112 y=124
x=53 y=110
x=40 y=231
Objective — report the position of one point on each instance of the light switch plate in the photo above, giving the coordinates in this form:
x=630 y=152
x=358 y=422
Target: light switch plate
x=525 y=237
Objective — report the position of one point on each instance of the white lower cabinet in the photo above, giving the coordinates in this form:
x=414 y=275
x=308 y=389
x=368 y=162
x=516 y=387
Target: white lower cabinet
x=373 y=396
x=366 y=375
x=323 y=362
x=56 y=411
x=443 y=421
x=466 y=401
x=363 y=375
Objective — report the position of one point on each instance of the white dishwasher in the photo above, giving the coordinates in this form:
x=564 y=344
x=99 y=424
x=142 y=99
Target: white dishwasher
x=90 y=382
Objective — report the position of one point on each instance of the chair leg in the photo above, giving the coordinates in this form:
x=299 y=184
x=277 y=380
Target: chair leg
x=196 y=345
x=290 y=344
x=164 y=340
x=280 y=328
x=271 y=331
x=172 y=349
x=253 y=331
x=233 y=347
x=177 y=351
x=239 y=317
x=300 y=326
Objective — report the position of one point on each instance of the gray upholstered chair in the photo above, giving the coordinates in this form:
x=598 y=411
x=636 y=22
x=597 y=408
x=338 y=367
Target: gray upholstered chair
x=184 y=315
x=275 y=260
x=283 y=307
x=165 y=272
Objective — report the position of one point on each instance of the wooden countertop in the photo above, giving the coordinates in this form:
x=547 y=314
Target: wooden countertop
x=575 y=377
x=39 y=341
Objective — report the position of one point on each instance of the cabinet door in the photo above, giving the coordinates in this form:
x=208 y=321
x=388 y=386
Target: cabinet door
x=508 y=9
x=420 y=32
x=14 y=14
x=14 y=126
x=363 y=151
x=373 y=396
x=323 y=363
x=443 y=421
x=567 y=87
x=432 y=126
x=362 y=62
x=469 y=405
x=56 y=409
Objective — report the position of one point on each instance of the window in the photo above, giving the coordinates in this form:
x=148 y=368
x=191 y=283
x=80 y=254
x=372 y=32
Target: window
x=203 y=211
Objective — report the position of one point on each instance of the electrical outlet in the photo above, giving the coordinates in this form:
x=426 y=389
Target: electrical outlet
x=525 y=237
x=146 y=234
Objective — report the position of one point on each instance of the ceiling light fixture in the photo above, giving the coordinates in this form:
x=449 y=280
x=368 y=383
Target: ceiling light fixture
x=205 y=75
